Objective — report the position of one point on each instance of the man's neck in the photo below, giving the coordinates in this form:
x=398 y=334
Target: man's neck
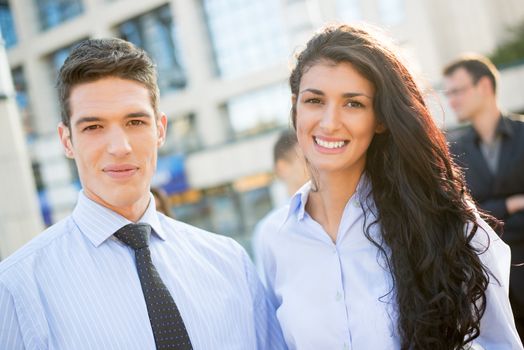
x=485 y=123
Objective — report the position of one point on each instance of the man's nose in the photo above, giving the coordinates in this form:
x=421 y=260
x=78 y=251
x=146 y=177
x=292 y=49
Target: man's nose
x=118 y=142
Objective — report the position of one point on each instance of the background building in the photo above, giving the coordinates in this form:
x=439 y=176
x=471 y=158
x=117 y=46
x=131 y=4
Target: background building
x=223 y=66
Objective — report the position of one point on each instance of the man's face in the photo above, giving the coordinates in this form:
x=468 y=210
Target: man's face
x=464 y=96
x=113 y=138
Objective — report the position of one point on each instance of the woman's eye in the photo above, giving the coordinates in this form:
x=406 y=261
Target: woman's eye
x=355 y=104
x=313 y=100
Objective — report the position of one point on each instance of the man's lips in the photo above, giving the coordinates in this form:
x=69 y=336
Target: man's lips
x=120 y=171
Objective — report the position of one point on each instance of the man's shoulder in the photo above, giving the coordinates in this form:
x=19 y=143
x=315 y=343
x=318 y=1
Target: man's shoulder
x=41 y=243
x=515 y=117
x=200 y=239
x=458 y=133
x=515 y=120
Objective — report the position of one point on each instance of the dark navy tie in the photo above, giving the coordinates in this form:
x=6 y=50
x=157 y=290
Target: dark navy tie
x=167 y=324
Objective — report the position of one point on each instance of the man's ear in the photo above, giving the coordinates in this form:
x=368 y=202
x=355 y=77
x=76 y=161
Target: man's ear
x=65 y=139
x=282 y=169
x=161 y=127
x=485 y=85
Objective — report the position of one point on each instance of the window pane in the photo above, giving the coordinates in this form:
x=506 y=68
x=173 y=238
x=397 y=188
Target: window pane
x=22 y=100
x=259 y=110
x=392 y=11
x=57 y=58
x=53 y=12
x=156 y=33
x=246 y=35
x=349 y=10
x=7 y=25
x=255 y=204
x=183 y=136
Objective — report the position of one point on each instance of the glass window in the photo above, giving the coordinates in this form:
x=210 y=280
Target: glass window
x=349 y=10
x=196 y=214
x=7 y=25
x=255 y=204
x=392 y=11
x=183 y=135
x=224 y=213
x=246 y=35
x=57 y=58
x=53 y=12
x=259 y=110
x=22 y=99
x=156 y=33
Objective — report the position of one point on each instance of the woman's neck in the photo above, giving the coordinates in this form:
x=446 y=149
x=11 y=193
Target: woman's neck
x=326 y=206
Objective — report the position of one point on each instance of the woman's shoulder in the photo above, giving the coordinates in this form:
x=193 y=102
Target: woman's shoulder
x=493 y=252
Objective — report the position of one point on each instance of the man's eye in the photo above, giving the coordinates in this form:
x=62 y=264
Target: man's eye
x=91 y=127
x=136 y=122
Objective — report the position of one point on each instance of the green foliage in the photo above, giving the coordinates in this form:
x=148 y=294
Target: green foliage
x=510 y=52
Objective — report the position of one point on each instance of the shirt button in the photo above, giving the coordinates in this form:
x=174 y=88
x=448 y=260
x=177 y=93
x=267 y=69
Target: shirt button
x=346 y=346
x=356 y=204
x=338 y=297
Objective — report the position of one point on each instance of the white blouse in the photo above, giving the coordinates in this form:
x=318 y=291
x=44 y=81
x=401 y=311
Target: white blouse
x=339 y=295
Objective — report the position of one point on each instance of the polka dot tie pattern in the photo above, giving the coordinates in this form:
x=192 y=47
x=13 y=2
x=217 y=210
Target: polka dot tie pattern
x=167 y=324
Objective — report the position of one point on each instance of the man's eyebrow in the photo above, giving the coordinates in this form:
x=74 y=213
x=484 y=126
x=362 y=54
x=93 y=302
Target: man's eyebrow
x=346 y=94
x=87 y=120
x=98 y=119
x=138 y=115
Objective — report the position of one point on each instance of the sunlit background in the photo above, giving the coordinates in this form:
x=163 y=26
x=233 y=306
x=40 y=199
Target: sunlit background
x=223 y=66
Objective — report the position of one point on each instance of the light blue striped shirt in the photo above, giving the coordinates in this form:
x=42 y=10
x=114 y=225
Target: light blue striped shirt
x=75 y=286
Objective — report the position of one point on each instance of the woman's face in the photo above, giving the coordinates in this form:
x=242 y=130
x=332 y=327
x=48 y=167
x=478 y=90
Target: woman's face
x=335 y=120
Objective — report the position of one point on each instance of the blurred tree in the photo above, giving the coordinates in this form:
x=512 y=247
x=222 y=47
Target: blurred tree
x=511 y=52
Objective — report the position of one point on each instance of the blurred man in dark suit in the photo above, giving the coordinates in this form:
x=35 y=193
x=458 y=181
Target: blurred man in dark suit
x=491 y=151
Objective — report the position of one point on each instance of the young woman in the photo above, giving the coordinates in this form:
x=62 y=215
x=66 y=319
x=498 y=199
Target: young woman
x=383 y=249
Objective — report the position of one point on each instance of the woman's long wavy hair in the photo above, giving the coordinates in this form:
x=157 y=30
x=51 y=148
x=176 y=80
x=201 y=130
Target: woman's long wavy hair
x=423 y=208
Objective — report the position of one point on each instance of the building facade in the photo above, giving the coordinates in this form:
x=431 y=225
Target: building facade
x=223 y=68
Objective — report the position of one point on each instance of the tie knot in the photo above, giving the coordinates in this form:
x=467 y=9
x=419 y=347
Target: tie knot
x=134 y=235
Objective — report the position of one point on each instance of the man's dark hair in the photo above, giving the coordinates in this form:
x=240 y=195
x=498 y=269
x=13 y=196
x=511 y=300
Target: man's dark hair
x=95 y=59
x=477 y=66
x=285 y=144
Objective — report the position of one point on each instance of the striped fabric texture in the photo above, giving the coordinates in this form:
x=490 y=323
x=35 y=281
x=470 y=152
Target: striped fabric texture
x=75 y=286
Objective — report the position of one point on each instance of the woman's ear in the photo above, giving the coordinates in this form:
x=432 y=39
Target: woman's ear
x=293 y=99
x=380 y=128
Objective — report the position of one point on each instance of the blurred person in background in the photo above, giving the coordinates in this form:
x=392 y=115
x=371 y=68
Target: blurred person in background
x=491 y=152
x=290 y=168
x=115 y=274
x=162 y=201
x=381 y=249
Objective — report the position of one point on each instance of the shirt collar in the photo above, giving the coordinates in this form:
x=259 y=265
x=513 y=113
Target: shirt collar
x=297 y=204
x=98 y=223
x=503 y=129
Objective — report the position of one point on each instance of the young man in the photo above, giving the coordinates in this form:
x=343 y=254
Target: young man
x=290 y=168
x=491 y=151
x=99 y=280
